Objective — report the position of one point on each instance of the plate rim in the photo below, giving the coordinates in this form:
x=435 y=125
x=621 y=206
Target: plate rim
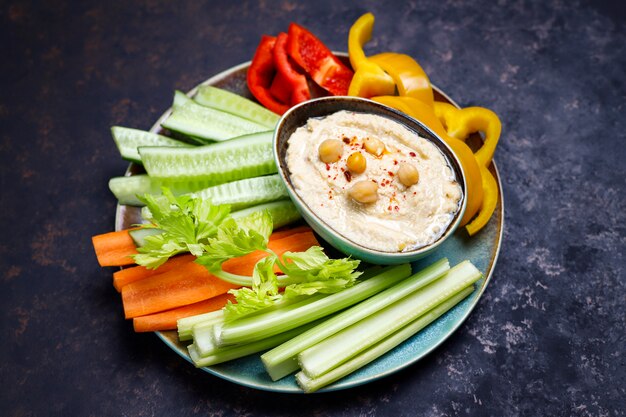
x=338 y=385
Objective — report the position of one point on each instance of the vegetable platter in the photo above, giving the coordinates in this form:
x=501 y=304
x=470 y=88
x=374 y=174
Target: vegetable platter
x=423 y=331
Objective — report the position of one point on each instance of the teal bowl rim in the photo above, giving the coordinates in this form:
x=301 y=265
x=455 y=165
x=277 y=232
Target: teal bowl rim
x=357 y=249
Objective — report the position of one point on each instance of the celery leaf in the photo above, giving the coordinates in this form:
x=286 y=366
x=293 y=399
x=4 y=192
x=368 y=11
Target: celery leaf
x=186 y=223
x=264 y=291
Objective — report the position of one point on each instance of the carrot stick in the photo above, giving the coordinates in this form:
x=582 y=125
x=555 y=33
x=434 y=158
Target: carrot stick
x=114 y=248
x=128 y=275
x=135 y=273
x=298 y=242
x=182 y=286
x=166 y=320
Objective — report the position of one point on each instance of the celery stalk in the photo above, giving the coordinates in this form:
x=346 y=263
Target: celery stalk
x=238 y=351
x=185 y=325
x=341 y=347
x=203 y=338
x=282 y=360
x=379 y=349
x=257 y=327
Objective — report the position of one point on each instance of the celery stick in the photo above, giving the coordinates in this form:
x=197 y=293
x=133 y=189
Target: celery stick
x=204 y=333
x=379 y=349
x=203 y=338
x=282 y=360
x=259 y=326
x=185 y=325
x=341 y=347
x=237 y=351
x=223 y=100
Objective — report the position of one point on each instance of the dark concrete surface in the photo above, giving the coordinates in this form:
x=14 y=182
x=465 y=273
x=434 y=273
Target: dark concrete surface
x=548 y=337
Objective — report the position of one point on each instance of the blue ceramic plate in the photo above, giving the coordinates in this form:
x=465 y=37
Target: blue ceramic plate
x=481 y=249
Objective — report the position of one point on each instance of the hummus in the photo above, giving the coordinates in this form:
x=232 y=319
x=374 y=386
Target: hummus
x=402 y=218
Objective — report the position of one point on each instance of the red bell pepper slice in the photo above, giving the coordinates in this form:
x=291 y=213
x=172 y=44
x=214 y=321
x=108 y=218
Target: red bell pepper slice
x=261 y=73
x=289 y=85
x=318 y=61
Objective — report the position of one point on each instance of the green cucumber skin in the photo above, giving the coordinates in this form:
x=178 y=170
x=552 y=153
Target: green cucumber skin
x=239 y=194
x=244 y=157
x=126 y=189
x=224 y=100
x=283 y=212
x=139 y=235
x=193 y=119
x=128 y=140
x=180 y=99
x=246 y=193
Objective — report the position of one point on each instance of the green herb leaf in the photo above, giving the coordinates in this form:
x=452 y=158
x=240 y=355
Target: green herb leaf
x=264 y=291
x=187 y=224
x=237 y=237
x=317 y=273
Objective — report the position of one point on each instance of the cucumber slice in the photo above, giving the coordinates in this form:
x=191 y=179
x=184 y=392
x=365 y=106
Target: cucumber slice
x=139 y=235
x=245 y=157
x=283 y=212
x=180 y=99
x=126 y=189
x=245 y=193
x=207 y=123
x=224 y=100
x=128 y=140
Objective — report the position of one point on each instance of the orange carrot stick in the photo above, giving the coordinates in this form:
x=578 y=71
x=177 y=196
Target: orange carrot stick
x=166 y=320
x=244 y=265
x=182 y=286
x=135 y=273
x=128 y=275
x=114 y=248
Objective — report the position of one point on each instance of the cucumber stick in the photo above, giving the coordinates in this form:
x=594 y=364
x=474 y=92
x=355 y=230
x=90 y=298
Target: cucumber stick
x=126 y=189
x=193 y=119
x=244 y=157
x=139 y=235
x=245 y=193
x=239 y=194
x=232 y=103
x=283 y=212
x=128 y=140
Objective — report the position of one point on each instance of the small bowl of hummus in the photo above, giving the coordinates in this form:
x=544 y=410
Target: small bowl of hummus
x=373 y=182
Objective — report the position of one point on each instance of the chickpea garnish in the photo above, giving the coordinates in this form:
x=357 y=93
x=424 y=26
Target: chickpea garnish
x=364 y=192
x=356 y=163
x=374 y=146
x=330 y=151
x=408 y=174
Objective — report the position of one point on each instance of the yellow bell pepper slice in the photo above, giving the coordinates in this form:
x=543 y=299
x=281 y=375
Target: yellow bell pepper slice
x=490 y=200
x=425 y=114
x=461 y=123
x=409 y=76
x=369 y=79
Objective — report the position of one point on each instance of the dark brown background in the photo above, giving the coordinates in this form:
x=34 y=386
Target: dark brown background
x=546 y=339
